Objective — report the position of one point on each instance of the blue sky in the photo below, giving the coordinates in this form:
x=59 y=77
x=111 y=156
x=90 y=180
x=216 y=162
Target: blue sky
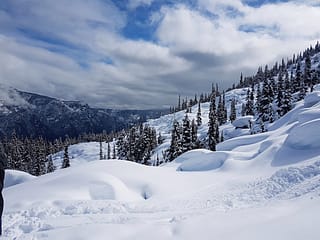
x=143 y=53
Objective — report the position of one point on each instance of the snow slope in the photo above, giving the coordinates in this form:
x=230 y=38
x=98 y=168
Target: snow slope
x=263 y=186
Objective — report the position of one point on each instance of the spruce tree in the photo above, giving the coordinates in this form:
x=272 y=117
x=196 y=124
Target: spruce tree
x=100 y=150
x=114 y=154
x=108 y=151
x=287 y=97
x=186 y=134
x=307 y=71
x=213 y=125
x=249 y=108
x=280 y=95
x=66 y=160
x=199 y=118
x=233 y=113
x=194 y=132
x=175 y=145
x=50 y=165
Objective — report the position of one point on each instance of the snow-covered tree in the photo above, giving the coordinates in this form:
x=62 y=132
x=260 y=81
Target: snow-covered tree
x=233 y=113
x=66 y=160
x=186 y=134
x=199 y=118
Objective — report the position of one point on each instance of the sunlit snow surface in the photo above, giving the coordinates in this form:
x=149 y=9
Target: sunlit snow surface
x=263 y=186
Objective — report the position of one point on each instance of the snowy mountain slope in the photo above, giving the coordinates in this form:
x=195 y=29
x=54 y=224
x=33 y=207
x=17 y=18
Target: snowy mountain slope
x=263 y=186
x=33 y=115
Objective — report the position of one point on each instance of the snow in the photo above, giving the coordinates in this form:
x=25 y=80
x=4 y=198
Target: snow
x=311 y=99
x=305 y=136
x=262 y=186
x=242 y=122
x=200 y=160
x=13 y=177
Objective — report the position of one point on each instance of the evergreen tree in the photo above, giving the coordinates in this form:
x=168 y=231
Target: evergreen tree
x=199 y=118
x=287 y=98
x=213 y=125
x=225 y=117
x=249 y=108
x=265 y=101
x=100 y=152
x=160 y=139
x=114 y=154
x=307 y=71
x=280 y=95
x=66 y=160
x=194 y=134
x=108 y=151
x=221 y=137
x=175 y=146
x=233 y=113
x=50 y=165
x=258 y=99
x=186 y=134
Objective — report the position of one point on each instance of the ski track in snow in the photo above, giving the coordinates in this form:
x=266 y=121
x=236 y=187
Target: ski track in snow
x=284 y=184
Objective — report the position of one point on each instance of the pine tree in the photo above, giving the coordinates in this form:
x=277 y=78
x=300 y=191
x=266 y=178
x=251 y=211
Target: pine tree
x=250 y=104
x=160 y=139
x=225 y=117
x=307 y=71
x=221 y=137
x=175 y=146
x=114 y=154
x=199 y=118
x=66 y=160
x=287 y=97
x=50 y=165
x=280 y=95
x=233 y=113
x=108 y=151
x=220 y=111
x=194 y=136
x=213 y=125
x=258 y=105
x=186 y=134
x=265 y=101
x=100 y=152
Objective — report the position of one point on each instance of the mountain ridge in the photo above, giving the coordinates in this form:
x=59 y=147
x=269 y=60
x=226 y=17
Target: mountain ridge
x=34 y=115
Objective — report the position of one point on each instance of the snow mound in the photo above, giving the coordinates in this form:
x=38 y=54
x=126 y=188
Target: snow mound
x=305 y=136
x=201 y=160
x=14 y=177
x=86 y=182
x=242 y=122
x=311 y=99
x=231 y=144
x=309 y=114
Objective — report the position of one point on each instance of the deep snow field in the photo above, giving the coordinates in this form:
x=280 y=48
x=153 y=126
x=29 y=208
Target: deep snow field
x=263 y=186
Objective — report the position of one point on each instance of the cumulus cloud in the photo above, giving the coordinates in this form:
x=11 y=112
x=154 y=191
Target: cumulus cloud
x=136 y=3
x=76 y=49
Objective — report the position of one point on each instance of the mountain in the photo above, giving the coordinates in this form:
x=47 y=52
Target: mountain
x=262 y=186
x=33 y=115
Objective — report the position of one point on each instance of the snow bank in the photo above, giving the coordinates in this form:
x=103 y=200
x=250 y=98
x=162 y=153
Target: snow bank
x=309 y=114
x=87 y=182
x=231 y=144
x=201 y=160
x=14 y=177
x=305 y=136
x=311 y=99
x=242 y=122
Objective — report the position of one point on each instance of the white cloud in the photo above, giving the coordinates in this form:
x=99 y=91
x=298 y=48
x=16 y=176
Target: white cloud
x=136 y=3
x=84 y=56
